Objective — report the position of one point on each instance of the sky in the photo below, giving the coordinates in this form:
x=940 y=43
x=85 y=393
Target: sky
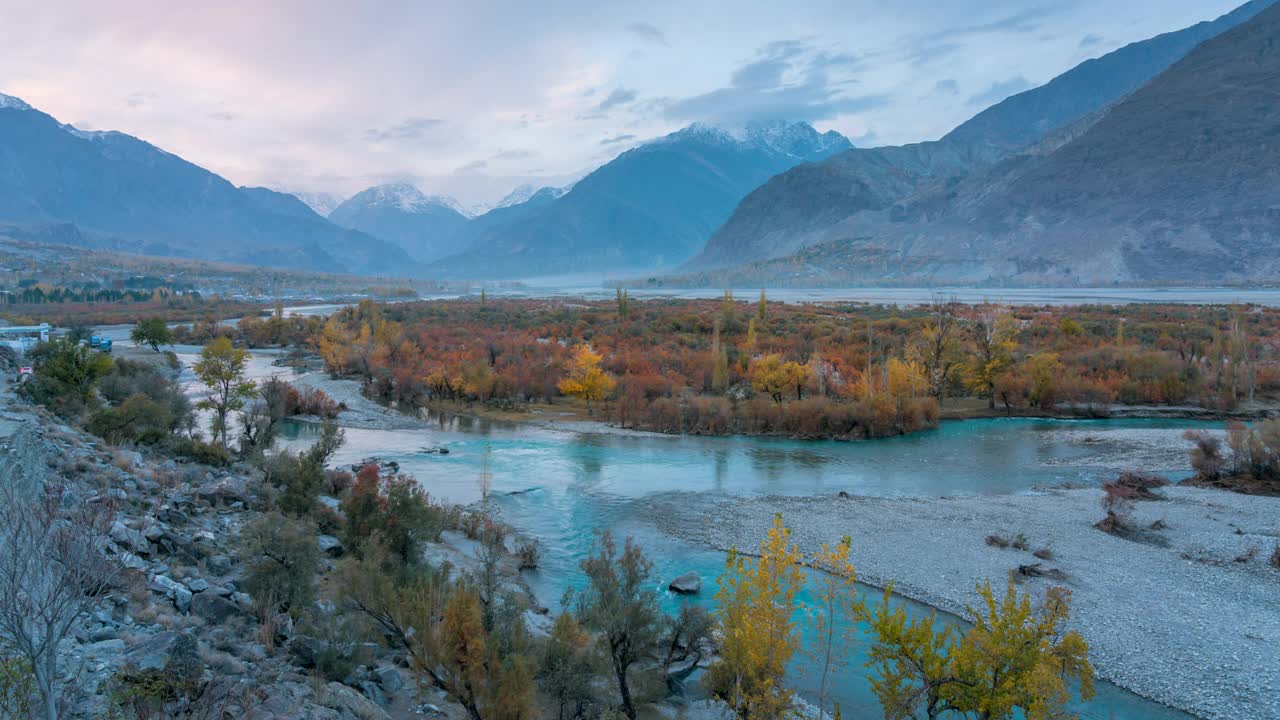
x=473 y=98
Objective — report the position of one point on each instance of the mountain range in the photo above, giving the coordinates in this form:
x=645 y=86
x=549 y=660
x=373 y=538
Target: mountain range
x=110 y=190
x=1153 y=163
x=1089 y=178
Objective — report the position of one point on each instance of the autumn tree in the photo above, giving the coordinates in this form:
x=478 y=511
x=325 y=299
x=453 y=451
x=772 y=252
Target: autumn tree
x=719 y=361
x=221 y=368
x=937 y=349
x=837 y=604
x=566 y=672
x=993 y=351
x=773 y=376
x=152 y=332
x=756 y=605
x=1045 y=371
x=586 y=379
x=1015 y=661
x=761 y=306
x=620 y=607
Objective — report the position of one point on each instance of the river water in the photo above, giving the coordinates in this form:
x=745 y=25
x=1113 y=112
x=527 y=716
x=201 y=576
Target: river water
x=561 y=486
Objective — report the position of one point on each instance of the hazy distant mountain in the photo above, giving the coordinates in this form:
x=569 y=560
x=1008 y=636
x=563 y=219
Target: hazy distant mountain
x=426 y=227
x=651 y=207
x=322 y=202
x=526 y=192
x=111 y=190
x=1178 y=182
x=804 y=206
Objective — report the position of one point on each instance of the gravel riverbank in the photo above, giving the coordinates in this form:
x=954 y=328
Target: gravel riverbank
x=1191 y=619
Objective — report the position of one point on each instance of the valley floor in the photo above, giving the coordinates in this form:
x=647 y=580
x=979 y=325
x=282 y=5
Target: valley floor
x=1186 y=616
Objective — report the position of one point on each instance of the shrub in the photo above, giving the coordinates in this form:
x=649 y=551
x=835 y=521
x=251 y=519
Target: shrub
x=201 y=452
x=283 y=559
x=17 y=687
x=66 y=377
x=997 y=541
x=1275 y=558
x=394 y=510
x=1117 y=501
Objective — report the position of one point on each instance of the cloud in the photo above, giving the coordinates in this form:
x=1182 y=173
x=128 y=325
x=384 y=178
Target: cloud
x=1090 y=40
x=620 y=96
x=617 y=139
x=925 y=54
x=1000 y=90
x=787 y=80
x=138 y=99
x=648 y=33
x=866 y=139
x=472 y=167
x=947 y=87
x=1024 y=21
x=223 y=116
x=413 y=128
x=513 y=154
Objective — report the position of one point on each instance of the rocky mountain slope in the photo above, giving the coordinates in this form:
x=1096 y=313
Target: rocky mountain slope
x=1178 y=182
x=113 y=191
x=652 y=207
x=425 y=227
x=804 y=206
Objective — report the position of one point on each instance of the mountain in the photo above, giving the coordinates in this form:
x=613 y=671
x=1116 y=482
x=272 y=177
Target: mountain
x=803 y=207
x=1179 y=182
x=113 y=191
x=524 y=193
x=651 y=207
x=322 y=202
x=425 y=227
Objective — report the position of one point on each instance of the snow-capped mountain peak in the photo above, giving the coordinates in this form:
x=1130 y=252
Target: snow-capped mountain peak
x=407 y=197
x=791 y=139
x=12 y=103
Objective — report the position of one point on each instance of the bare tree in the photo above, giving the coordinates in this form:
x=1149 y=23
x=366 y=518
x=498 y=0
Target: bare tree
x=52 y=572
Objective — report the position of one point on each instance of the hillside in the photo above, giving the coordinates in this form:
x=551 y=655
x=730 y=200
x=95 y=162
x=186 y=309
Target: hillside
x=1176 y=183
x=425 y=227
x=805 y=205
x=652 y=207
x=113 y=191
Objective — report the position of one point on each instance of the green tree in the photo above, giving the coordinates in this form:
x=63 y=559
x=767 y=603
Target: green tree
x=283 y=560
x=620 y=606
x=566 y=667
x=221 y=368
x=152 y=332
x=67 y=376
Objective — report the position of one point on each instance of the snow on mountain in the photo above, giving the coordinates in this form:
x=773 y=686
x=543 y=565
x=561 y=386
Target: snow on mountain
x=787 y=139
x=12 y=103
x=322 y=202
x=523 y=193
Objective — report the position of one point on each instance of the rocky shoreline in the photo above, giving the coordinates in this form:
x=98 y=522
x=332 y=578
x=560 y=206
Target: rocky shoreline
x=1185 y=616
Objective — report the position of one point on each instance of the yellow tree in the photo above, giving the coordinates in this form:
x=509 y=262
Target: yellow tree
x=1015 y=661
x=771 y=375
x=837 y=605
x=335 y=346
x=1018 y=660
x=221 y=368
x=756 y=605
x=905 y=378
x=586 y=379
x=994 y=345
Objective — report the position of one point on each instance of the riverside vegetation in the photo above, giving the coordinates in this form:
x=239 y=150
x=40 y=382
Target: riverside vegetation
x=201 y=596
x=807 y=371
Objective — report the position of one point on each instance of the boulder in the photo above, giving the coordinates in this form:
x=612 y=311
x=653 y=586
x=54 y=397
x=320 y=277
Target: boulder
x=218 y=564
x=153 y=653
x=214 y=608
x=227 y=490
x=182 y=599
x=130 y=539
x=689 y=583
x=196 y=585
x=330 y=545
x=373 y=691
x=389 y=678
x=344 y=699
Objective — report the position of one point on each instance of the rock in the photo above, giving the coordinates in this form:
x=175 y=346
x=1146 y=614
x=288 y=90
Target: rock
x=133 y=562
x=165 y=584
x=330 y=545
x=182 y=599
x=218 y=564
x=689 y=583
x=196 y=585
x=153 y=653
x=284 y=625
x=103 y=633
x=372 y=691
x=306 y=649
x=538 y=625
x=331 y=503
x=227 y=490
x=389 y=678
x=344 y=699
x=242 y=600
x=129 y=538
x=213 y=607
